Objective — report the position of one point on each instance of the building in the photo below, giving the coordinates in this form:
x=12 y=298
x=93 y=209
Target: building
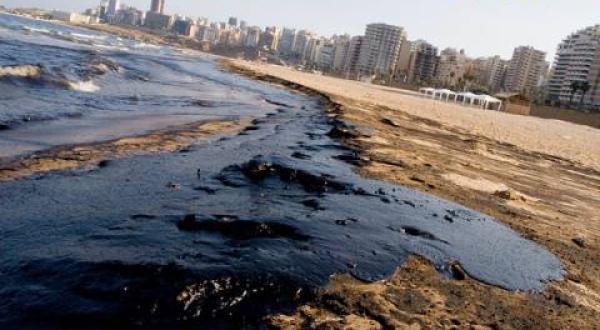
x=452 y=66
x=157 y=6
x=351 y=65
x=158 y=21
x=270 y=39
x=340 y=52
x=185 y=27
x=113 y=7
x=287 y=42
x=403 y=65
x=380 y=49
x=525 y=71
x=301 y=44
x=70 y=17
x=233 y=22
x=494 y=73
x=252 y=39
x=129 y=16
x=423 y=63
x=577 y=61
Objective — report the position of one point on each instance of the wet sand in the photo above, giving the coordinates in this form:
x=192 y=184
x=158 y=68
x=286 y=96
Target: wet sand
x=70 y=157
x=491 y=162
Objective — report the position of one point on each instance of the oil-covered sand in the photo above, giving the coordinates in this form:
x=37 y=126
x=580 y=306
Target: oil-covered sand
x=551 y=199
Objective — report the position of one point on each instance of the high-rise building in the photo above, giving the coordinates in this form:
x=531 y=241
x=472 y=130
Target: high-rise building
x=381 y=49
x=340 y=53
x=270 y=38
x=113 y=7
x=423 y=62
x=301 y=44
x=351 y=65
x=233 y=22
x=287 y=42
x=577 y=60
x=452 y=67
x=157 y=6
x=526 y=70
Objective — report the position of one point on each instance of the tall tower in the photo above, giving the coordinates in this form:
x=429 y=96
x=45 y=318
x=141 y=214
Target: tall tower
x=158 y=6
x=113 y=6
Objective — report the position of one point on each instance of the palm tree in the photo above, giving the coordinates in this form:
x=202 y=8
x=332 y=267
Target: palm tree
x=584 y=87
x=574 y=88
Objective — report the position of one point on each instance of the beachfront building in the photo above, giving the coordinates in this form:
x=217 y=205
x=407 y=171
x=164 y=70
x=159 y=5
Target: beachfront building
x=158 y=21
x=423 y=62
x=351 y=62
x=489 y=72
x=340 y=52
x=577 y=61
x=452 y=67
x=113 y=7
x=286 y=42
x=526 y=70
x=381 y=49
x=157 y=6
x=252 y=37
x=129 y=16
x=301 y=44
x=269 y=39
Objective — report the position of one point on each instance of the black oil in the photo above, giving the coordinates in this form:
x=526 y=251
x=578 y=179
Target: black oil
x=232 y=229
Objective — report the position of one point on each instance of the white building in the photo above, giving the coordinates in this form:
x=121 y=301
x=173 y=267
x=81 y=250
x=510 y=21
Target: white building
x=380 y=50
x=526 y=70
x=577 y=60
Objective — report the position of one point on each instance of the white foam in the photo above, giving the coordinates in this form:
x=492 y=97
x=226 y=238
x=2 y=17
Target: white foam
x=84 y=86
x=21 y=71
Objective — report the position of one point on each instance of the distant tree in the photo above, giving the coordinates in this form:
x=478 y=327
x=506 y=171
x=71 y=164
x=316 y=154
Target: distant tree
x=584 y=87
x=574 y=88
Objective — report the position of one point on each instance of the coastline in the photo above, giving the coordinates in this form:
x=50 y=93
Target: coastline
x=451 y=162
x=93 y=155
x=488 y=175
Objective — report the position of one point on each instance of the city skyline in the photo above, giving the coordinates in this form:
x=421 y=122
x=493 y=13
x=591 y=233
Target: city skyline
x=486 y=28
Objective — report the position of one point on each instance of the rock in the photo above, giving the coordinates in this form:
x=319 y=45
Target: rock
x=417 y=178
x=390 y=122
x=509 y=194
x=457 y=272
x=580 y=241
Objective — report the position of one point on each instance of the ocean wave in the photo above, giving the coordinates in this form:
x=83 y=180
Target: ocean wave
x=21 y=71
x=87 y=86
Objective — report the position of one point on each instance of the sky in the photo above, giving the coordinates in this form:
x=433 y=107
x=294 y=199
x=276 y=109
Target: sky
x=481 y=27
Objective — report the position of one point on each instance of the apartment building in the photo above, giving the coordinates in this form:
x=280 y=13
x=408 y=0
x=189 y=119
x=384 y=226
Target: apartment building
x=380 y=49
x=526 y=70
x=452 y=67
x=423 y=62
x=577 y=60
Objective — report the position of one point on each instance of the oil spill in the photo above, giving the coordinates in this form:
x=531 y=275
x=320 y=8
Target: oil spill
x=232 y=230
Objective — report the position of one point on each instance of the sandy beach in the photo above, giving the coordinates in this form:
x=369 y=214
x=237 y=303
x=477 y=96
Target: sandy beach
x=538 y=176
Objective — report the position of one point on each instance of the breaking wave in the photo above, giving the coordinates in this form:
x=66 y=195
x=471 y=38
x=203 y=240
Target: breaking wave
x=21 y=71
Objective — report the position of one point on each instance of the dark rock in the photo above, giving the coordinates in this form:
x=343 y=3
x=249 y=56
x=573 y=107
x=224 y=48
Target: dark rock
x=579 y=241
x=390 y=122
x=457 y=272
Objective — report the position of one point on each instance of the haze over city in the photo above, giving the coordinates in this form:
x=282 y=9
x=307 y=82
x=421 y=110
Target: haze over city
x=482 y=28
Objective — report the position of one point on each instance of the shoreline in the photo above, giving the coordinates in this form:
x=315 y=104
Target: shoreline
x=96 y=154
x=474 y=182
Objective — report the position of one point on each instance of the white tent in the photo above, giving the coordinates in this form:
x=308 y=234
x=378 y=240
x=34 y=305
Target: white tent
x=489 y=103
x=429 y=92
x=444 y=95
x=466 y=98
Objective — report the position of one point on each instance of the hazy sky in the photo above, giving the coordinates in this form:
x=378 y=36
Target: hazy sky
x=481 y=27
